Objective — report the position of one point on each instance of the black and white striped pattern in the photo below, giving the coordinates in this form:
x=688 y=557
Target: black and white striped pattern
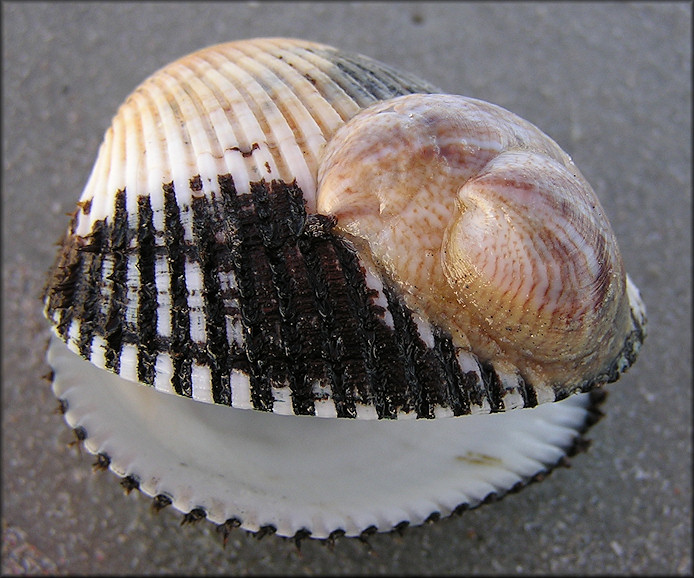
x=266 y=307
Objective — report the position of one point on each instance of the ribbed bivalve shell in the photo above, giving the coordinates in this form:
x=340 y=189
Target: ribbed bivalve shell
x=204 y=260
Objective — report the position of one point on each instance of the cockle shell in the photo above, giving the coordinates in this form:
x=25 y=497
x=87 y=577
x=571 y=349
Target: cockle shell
x=277 y=225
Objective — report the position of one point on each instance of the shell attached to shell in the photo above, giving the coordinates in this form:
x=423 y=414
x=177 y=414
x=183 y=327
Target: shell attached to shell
x=277 y=225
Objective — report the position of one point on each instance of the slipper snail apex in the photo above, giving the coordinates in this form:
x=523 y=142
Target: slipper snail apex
x=277 y=225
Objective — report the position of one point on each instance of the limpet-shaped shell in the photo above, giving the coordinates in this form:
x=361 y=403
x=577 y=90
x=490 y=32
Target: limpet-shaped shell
x=487 y=227
x=277 y=225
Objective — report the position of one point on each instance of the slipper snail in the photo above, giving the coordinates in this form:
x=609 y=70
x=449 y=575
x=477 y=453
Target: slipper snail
x=279 y=226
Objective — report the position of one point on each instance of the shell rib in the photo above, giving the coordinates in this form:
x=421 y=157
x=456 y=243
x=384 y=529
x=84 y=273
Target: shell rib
x=197 y=263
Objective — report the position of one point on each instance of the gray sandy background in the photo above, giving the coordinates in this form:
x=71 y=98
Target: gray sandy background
x=610 y=82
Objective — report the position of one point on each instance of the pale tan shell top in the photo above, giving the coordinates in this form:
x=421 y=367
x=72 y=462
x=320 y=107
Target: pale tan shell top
x=257 y=109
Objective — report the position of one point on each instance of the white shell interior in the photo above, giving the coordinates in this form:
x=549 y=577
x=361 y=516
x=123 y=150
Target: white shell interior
x=297 y=472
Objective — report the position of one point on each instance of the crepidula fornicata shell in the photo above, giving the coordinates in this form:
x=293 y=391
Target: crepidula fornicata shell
x=489 y=228
x=277 y=225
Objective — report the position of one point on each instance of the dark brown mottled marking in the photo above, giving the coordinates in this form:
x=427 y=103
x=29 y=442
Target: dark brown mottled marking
x=148 y=302
x=180 y=321
x=63 y=283
x=302 y=313
x=366 y=534
x=196 y=184
x=130 y=483
x=334 y=535
x=194 y=516
x=226 y=528
x=492 y=384
x=425 y=369
x=246 y=153
x=87 y=306
x=299 y=536
x=528 y=392
x=340 y=347
x=256 y=302
x=456 y=396
x=102 y=462
x=161 y=501
x=80 y=433
x=473 y=388
x=85 y=206
x=379 y=348
x=209 y=225
x=408 y=388
x=267 y=530
x=116 y=249
x=288 y=271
